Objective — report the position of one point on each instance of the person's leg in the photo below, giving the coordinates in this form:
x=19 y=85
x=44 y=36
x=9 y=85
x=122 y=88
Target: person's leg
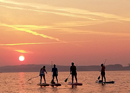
x=76 y=78
x=44 y=78
x=53 y=78
x=56 y=79
x=40 y=79
x=104 y=78
x=72 y=78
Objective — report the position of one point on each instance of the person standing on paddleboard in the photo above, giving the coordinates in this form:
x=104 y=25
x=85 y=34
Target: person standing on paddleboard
x=42 y=74
x=55 y=73
x=73 y=72
x=103 y=72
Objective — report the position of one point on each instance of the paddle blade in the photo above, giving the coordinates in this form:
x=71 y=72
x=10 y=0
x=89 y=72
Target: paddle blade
x=98 y=77
x=66 y=80
x=29 y=79
x=51 y=81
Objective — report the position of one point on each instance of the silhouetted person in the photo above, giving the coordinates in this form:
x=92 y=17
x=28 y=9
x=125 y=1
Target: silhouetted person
x=73 y=72
x=103 y=72
x=55 y=73
x=42 y=74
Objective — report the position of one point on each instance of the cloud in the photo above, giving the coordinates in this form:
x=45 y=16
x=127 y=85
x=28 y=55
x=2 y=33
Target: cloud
x=93 y=19
x=77 y=31
x=30 y=31
x=106 y=33
x=38 y=43
x=21 y=51
x=52 y=11
x=32 y=27
x=14 y=49
x=70 y=12
x=16 y=44
x=94 y=14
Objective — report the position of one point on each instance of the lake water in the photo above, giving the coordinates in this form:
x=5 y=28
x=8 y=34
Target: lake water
x=18 y=83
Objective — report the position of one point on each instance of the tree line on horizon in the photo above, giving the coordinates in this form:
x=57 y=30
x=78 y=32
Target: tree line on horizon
x=36 y=68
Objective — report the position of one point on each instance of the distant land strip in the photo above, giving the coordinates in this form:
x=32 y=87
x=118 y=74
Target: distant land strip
x=36 y=68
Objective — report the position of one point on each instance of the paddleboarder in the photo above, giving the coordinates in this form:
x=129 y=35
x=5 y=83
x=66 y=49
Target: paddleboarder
x=103 y=72
x=42 y=74
x=73 y=72
x=55 y=74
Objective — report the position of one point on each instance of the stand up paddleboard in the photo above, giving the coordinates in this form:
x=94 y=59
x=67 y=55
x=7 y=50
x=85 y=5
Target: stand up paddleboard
x=43 y=84
x=107 y=82
x=57 y=84
x=76 y=84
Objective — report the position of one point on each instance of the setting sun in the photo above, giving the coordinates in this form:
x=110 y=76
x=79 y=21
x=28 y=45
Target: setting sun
x=21 y=58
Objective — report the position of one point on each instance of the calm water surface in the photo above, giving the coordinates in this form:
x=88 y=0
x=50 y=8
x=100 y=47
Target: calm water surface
x=18 y=83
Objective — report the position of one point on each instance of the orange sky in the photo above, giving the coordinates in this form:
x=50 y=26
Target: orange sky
x=83 y=31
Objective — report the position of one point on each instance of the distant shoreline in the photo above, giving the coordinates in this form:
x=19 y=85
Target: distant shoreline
x=36 y=68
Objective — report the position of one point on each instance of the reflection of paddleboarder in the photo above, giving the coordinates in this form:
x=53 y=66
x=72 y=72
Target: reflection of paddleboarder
x=103 y=72
x=73 y=72
x=42 y=74
x=55 y=73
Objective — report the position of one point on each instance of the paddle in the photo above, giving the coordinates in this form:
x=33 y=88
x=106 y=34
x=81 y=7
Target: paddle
x=98 y=77
x=32 y=78
x=104 y=63
x=67 y=78
x=51 y=68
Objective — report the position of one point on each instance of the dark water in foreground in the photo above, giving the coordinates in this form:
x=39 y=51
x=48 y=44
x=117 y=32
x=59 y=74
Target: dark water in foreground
x=18 y=83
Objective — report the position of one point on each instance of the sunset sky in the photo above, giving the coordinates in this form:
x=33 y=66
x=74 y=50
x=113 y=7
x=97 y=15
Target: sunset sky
x=83 y=31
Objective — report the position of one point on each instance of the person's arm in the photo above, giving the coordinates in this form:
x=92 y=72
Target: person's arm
x=45 y=71
x=71 y=70
x=101 y=69
x=52 y=70
x=57 y=71
x=40 y=72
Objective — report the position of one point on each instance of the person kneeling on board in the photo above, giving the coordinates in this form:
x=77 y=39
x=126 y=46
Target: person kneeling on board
x=42 y=74
x=73 y=72
x=55 y=74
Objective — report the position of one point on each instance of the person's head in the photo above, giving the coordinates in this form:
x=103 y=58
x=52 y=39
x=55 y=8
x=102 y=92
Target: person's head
x=54 y=65
x=72 y=64
x=43 y=66
x=101 y=65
